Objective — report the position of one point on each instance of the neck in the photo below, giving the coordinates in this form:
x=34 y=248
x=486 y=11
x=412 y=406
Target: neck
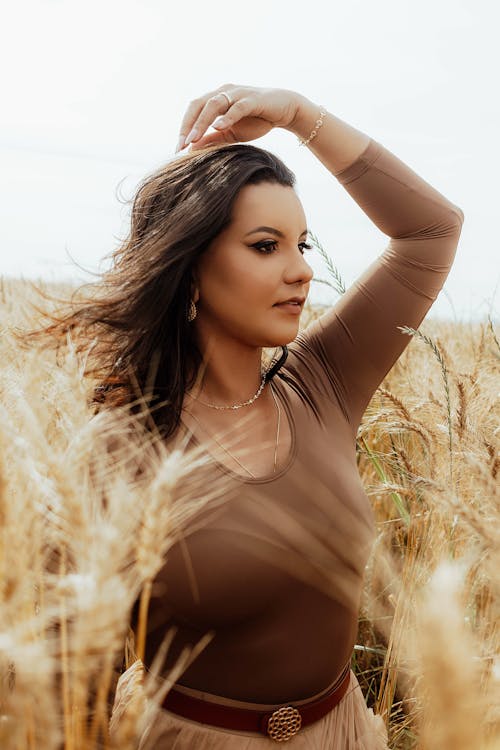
x=230 y=372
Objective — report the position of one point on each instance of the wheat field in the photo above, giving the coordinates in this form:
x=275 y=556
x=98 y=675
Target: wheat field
x=81 y=539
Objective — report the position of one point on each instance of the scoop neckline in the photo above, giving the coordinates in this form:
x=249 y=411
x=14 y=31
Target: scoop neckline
x=269 y=477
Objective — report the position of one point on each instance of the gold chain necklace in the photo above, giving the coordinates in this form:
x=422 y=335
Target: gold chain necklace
x=234 y=406
x=259 y=391
x=234 y=457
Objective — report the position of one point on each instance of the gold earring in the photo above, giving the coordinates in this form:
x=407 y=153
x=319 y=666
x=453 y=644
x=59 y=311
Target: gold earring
x=192 y=312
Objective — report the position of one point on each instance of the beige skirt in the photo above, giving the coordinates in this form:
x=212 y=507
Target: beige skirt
x=351 y=725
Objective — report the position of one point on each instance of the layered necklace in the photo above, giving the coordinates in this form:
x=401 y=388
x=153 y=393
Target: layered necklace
x=239 y=406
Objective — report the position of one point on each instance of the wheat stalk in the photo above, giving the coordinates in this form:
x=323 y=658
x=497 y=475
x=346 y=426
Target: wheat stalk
x=444 y=370
x=338 y=283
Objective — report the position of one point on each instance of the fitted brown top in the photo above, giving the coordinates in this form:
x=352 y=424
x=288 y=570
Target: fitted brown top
x=277 y=573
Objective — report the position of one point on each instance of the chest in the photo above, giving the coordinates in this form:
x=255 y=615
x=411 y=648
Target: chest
x=310 y=529
x=250 y=444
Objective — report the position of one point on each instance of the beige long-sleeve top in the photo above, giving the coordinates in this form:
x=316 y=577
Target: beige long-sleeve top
x=279 y=572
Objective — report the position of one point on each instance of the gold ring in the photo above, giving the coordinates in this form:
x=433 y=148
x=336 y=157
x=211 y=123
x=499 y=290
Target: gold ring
x=227 y=97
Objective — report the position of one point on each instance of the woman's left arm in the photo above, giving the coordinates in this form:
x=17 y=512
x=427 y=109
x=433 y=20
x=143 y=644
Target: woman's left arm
x=358 y=340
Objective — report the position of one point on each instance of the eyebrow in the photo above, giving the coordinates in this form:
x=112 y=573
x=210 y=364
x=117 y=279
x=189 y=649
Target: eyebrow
x=272 y=230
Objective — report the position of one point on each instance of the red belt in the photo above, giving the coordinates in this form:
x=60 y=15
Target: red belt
x=279 y=724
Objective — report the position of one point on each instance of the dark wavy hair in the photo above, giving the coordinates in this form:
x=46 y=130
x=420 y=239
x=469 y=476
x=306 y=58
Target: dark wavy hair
x=133 y=325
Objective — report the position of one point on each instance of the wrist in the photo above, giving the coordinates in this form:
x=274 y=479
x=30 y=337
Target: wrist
x=305 y=118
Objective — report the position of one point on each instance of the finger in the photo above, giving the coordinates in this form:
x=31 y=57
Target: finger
x=213 y=139
x=216 y=105
x=241 y=108
x=238 y=110
x=194 y=109
x=190 y=116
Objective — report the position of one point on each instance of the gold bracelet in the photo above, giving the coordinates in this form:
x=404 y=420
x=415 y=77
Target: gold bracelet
x=317 y=125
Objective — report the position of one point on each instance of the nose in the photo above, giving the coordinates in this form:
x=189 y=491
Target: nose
x=298 y=271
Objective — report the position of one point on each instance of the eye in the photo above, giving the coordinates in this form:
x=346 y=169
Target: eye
x=268 y=247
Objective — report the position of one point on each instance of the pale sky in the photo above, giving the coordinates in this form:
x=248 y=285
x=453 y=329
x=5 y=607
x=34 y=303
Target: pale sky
x=93 y=95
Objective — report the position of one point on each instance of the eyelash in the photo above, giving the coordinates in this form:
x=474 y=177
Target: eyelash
x=260 y=245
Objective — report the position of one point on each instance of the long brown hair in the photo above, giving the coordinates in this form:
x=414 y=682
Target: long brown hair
x=133 y=324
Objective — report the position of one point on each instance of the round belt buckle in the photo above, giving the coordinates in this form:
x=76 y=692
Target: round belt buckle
x=284 y=723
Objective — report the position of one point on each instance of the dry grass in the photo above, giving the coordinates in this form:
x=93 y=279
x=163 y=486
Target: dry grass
x=78 y=545
x=428 y=456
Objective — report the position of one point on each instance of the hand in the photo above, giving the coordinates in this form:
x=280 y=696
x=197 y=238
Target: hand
x=252 y=114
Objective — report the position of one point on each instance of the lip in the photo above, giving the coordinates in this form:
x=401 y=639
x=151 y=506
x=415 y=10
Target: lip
x=289 y=307
x=298 y=299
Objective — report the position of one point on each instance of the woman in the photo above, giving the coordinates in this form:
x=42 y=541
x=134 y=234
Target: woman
x=278 y=574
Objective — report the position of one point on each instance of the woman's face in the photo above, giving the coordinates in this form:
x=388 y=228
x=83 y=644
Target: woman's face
x=246 y=271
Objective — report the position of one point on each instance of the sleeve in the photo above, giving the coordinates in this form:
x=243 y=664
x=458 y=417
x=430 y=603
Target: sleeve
x=357 y=341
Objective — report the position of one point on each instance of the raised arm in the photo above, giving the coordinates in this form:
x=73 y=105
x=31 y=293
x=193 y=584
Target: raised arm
x=357 y=342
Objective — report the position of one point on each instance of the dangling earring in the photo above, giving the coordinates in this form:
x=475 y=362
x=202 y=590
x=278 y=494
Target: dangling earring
x=192 y=312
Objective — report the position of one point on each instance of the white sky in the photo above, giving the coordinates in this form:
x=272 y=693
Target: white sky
x=93 y=94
